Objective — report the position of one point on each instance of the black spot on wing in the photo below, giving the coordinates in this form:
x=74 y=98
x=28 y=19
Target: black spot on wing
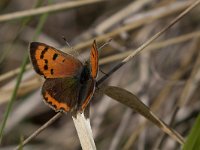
x=46 y=64
x=52 y=72
x=46 y=67
x=46 y=61
x=43 y=52
x=55 y=56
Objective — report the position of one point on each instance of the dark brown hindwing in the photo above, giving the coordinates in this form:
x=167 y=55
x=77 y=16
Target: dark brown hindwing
x=61 y=93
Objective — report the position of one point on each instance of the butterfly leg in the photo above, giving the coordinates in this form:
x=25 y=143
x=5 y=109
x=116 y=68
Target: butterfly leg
x=103 y=72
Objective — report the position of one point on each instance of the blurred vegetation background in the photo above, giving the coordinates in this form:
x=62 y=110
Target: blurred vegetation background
x=165 y=76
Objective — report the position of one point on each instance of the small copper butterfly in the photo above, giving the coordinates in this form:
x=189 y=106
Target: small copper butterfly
x=69 y=83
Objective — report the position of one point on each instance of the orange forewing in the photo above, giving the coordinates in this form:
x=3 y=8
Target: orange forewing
x=94 y=60
x=52 y=63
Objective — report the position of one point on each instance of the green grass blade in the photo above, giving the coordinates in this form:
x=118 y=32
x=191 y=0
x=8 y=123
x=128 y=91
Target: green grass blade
x=23 y=66
x=193 y=140
x=13 y=97
x=21 y=143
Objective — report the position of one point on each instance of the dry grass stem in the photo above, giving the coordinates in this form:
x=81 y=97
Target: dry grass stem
x=120 y=15
x=186 y=93
x=120 y=131
x=152 y=47
x=188 y=88
x=12 y=73
x=127 y=98
x=139 y=21
x=160 y=12
x=38 y=131
x=143 y=46
x=23 y=110
x=25 y=87
x=47 y=9
x=137 y=51
x=160 y=99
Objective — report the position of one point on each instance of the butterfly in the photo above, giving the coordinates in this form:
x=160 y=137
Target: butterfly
x=69 y=84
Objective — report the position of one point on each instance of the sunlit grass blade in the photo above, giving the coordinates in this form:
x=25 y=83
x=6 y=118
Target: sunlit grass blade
x=127 y=98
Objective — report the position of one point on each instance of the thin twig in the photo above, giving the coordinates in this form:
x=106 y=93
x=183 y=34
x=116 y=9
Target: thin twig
x=137 y=51
x=38 y=131
x=152 y=47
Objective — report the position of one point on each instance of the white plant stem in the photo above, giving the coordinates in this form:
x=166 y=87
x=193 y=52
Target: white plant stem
x=84 y=131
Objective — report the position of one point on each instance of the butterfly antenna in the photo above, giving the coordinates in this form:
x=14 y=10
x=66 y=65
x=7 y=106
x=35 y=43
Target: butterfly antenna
x=106 y=43
x=67 y=43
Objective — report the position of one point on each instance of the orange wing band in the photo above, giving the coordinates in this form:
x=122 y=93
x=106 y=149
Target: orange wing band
x=94 y=60
x=89 y=95
x=53 y=103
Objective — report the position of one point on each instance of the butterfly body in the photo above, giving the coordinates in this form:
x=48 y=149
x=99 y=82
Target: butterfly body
x=69 y=84
x=85 y=74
